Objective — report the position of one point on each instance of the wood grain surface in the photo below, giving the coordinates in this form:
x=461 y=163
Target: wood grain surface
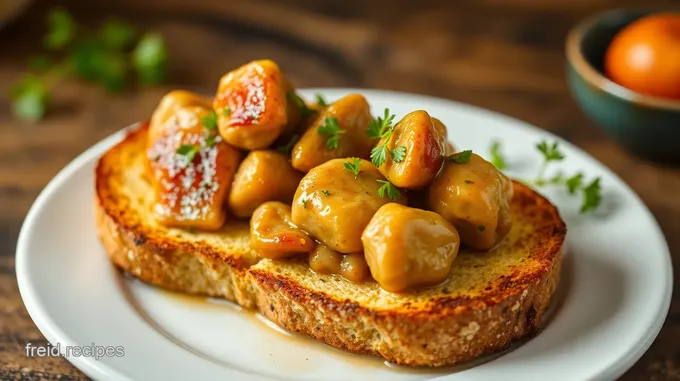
x=505 y=55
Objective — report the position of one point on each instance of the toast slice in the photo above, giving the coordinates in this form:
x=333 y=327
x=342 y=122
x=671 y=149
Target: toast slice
x=491 y=298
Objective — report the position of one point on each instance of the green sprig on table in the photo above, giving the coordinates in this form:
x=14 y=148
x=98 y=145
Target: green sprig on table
x=107 y=55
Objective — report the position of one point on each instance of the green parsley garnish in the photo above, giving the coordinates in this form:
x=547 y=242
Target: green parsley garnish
x=481 y=228
x=325 y=192
x=149 y=59
x=353 y=166
x=497 y=158
x=304 y=202
x=558 y=178
x=61 y=29
x=211 y=141
x=40 y=63
x=320 y=100
x=105 y=55
x=331 y=129
x=378 y=128
x=592 y=196
x=29 y=98
x=188 y=151
x=550 y=153
x=226 y=112
x=210 y=121
x=388 y=189
x=398 y=154
x=299 y=103
x=574 y=183
x=461 y=157
x=117 y=34
x=288 y=147
x=381 y=128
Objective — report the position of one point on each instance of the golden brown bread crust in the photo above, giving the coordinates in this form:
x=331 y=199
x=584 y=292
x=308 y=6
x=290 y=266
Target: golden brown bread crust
x=447 y=330
x=441 y=326
x=151 y=254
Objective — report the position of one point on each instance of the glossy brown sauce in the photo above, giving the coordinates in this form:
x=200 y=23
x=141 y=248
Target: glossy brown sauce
x=296 y=363
x=352 y=267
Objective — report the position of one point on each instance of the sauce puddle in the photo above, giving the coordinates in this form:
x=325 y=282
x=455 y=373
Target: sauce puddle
x=290 y=358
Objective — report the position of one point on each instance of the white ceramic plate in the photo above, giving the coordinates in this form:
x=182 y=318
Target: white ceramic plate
x=614 y=294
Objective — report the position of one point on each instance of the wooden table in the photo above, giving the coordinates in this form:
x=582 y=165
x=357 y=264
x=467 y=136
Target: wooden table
x=505 y=55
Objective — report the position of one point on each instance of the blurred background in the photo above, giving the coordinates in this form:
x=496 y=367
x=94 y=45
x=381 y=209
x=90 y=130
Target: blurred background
x=504 y=55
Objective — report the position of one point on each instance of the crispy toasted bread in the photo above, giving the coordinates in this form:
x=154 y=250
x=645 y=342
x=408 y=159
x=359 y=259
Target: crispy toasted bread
x=491 y=298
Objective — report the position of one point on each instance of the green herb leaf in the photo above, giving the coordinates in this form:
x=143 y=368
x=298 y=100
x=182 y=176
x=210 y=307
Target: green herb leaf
x=211 y=140
x=353 y=166
x=188 y=151
x=304 y=202
x=61 y=29
x=226 y=112
x=210 y=121
x=325 y=192
x=320 y=100
x=380 y=127
x=481 y=228
x=299 y=103
x=100 y=56
x=388 y=189
x=558 y=178
x=116 y=34
x=592 y=196
x=497 y=158
x=373 y=130
x=461 y=157
x=331 y=129
x=40 y=63
x=398 y=154
x=94 y=62
x=333 y=142
x=149 y=58
x=550 y=152
x=29 y=98
x=574 y=183
x=379 y=155
x=288 y=147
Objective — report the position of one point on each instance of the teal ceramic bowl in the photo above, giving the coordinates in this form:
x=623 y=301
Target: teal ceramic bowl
x=646 y=125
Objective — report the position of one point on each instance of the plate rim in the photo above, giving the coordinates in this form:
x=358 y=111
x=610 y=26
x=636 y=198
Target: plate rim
x=97 y=370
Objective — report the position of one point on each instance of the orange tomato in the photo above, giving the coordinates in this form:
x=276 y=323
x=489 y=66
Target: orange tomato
x=645 y=56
